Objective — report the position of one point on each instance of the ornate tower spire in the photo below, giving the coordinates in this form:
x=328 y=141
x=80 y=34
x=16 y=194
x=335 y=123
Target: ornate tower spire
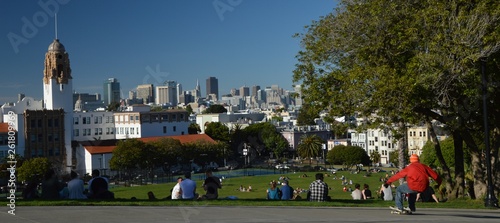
x=57 y=64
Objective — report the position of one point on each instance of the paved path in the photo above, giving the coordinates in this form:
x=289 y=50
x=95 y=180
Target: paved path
x=153 y=214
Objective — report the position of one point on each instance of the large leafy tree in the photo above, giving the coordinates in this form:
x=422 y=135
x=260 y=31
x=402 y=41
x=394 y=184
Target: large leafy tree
x=407 y=62
x=193 y=128
x=309 y=146
x=128 y=155
x=33 y=169
x=217 y=131
x=215 y=109
x=348 y=156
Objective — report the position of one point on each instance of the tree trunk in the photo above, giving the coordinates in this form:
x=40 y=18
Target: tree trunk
x=402 y=144
x=447 y=180
x=458 y=190
x=477 y=161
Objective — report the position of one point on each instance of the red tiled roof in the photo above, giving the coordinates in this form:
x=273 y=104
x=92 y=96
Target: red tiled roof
x=99 y=149
x=182 y=138
x=4 y=127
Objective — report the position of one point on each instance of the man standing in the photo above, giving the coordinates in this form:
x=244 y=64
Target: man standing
x=417 y=180
x=318 y=190
x=188 y=187
x=211 y=185
x=176 y=191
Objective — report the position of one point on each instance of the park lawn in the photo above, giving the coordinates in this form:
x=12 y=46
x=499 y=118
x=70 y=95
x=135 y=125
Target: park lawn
x=259 y=185
x=256 y=197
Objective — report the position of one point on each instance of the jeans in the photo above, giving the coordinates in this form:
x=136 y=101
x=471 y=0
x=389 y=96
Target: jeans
x=400 y=192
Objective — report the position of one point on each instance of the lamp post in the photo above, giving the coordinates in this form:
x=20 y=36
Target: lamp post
x=324 y=148
x=490 y=200
x=245 y=152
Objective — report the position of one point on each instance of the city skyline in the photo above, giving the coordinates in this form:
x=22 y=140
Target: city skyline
x=241 y=43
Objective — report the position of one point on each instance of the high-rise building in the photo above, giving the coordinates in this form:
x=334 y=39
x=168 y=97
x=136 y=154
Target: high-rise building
x=213 y=86
x=255 y=88
x=111 y=88
x=57 y=95
x=167 y=94
x=145 y=91
x=244 y=91
x=179 y=92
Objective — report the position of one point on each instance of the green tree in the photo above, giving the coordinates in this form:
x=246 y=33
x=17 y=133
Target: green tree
x=428 y=155
x=309 y=147
x=217 y=131
x=189 y=109
x=406 y=63
x=307 y=114
x=113 y=106
x=215 y=109
x=33 y=169
x=127 y=155
x=348 y=156
x=375 y=157
x=193 y=128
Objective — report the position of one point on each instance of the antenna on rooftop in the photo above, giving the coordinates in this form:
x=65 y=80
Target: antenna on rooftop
x=56 y=24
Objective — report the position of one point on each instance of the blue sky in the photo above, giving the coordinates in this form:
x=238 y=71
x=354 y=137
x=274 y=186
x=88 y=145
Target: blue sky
x=241 y=42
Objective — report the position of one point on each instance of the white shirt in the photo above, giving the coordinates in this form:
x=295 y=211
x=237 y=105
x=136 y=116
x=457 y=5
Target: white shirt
x=176 y=192
x=356 y=194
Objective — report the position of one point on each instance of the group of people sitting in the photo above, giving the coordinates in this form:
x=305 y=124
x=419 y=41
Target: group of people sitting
x=364 y=194
x=52 y=188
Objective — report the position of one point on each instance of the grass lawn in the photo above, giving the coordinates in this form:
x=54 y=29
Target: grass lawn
x=257 y=196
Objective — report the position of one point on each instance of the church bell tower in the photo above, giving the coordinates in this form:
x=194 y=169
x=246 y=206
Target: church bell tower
x=58 y=90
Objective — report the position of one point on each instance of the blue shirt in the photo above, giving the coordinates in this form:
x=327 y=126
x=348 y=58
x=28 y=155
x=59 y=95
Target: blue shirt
x=287 y=192
x=188 y=188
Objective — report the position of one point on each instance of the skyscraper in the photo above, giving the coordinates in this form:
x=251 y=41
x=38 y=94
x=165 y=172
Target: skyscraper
x=255 y=88
x=111 y=91
x=167 y=94
x=145 y=91
x=213 y=86
x=244 y=91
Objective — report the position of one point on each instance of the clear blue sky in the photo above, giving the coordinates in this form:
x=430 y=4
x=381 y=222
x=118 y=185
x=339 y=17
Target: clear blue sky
x=241 y=42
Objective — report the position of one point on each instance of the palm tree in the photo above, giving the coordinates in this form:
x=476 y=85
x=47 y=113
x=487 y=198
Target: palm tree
x=309 y=146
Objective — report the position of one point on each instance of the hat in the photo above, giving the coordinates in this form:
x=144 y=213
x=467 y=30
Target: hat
x=414 y=158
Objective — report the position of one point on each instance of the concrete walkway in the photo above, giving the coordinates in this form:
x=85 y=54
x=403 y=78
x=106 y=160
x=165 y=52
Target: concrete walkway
x=239 y=214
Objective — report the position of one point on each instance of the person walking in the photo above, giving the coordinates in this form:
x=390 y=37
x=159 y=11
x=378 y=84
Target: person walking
x=417 y=180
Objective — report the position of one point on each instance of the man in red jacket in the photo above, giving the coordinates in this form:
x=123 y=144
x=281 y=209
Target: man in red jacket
x=417 y=180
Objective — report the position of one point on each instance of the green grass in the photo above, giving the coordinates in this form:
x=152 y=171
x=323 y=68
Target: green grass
x=256 y=197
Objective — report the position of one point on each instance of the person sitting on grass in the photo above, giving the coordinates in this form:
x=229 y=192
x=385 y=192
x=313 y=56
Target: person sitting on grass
x=273 y=193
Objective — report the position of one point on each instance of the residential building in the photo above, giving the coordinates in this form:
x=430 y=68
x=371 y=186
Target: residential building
x=137 y=124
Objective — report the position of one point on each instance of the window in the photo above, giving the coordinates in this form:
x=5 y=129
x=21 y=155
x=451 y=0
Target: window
x=137 y=117
x=126 y=131
x=56 y=137
x=420 y=134
x=75 y=120
x=33 y=123
x=76 y=132
x=131 y=118
x=49 y=122
x=132 y=130
x=56 y=122
x=96 y=131
x=96 y=120
x=164 y=129
x=100 y=131
x=175 y=128
x=39 y=122
x=424 y=134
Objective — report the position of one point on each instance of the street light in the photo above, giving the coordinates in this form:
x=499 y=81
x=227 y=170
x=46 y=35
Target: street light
x=490 y=200
x=324 y=148
x=245 y=152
